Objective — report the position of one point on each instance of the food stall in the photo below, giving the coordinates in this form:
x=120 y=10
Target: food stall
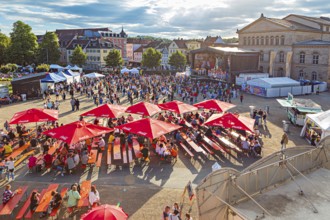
x=316 y=126
x=297 y=109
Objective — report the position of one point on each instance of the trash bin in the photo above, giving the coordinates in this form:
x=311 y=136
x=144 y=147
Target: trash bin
x=251 y=110
x=23 y=97
x=285 y=126
x=267 y=109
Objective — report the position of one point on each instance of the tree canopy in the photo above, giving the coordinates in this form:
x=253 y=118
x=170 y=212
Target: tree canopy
x=177 y=60
x=49 y=49
x=113 y=59
x=4 y=44
x=43 y=68
x=23 y=45
x=78 y=56
x=151 y=58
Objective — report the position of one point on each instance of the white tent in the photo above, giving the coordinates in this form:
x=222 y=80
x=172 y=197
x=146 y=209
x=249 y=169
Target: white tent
x=76 y=68
x=125 y=70
x=69 y=79
x=275 y=82
x=134 y=71
x=68 y=67
x=94 y=75
x=56 y=67
x=322 y=120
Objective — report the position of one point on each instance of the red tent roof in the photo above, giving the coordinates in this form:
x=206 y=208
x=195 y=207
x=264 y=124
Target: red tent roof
x=34 y=115
x=105 y=212
x=106 y=111
x=77 y=131
x=215 y=105
x=149 y=127
x=143 y=108
x=229 y=120
x=178 y=107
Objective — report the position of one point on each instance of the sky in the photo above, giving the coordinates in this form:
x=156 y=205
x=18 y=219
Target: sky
x=160 y=18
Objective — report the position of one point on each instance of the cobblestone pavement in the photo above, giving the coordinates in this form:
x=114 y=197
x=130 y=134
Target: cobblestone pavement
x=144 y=190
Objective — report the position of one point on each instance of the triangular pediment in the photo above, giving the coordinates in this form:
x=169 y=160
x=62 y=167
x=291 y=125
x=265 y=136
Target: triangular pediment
x=265 y=25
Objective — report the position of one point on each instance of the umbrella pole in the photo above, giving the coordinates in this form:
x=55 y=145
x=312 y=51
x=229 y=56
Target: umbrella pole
x=36 y=129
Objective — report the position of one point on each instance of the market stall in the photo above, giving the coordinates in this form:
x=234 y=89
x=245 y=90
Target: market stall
x=297 y=109
x=316 y=127
x=50 y=80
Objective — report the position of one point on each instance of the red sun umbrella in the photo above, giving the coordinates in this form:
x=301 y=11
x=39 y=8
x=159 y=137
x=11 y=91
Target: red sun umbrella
x=106 y=212
x=143 y=108
x=77 y=131
x=106 y=111
x=149 y=127
x=214 y=105
x=229 y=120
x=34 y=115
x=178 y=107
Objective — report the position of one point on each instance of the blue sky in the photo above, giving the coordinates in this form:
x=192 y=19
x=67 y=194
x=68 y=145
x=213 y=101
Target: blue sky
x=164 y=18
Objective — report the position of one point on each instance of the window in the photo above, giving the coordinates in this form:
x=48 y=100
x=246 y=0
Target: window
x=98 y=51
x=282 y=40
x=302 y=57
x=314 y=76
x=315 y=58
x=280 y=72
x=301 y=74
x=261 y=58
x=244 y=41
x=261 y=69
x=281 y=57
x=253 y=41
x=277 y=40
x=249 y=41
x=104 y=51
x=271 y=40
x=262 y=41
x=267 y=40
x=257 y=42
x=98 y=58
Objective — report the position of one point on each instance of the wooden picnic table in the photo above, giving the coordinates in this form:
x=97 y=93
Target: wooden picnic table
x=192 y=144
x=46 y=198
x=229 y=144
x=18 y=151
x=8 y=208
x=235 y=135
x=212 y=144
x=116 y=149
x=85 y=188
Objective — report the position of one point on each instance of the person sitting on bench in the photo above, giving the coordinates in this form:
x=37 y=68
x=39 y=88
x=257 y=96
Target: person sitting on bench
x=145 y=153
x=7 y=194
x=54 y=203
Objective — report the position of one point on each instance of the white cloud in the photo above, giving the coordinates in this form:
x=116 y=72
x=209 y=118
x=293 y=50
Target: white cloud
x=69 y=3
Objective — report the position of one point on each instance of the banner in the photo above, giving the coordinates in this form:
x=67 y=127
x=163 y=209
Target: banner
x=271 y=62
x=288 y=64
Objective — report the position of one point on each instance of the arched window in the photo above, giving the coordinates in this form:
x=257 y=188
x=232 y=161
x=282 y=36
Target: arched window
x=281 y=57
x=261 y=57
x=277 y=40
x=257 y=41
x=282 y=40
x=315 y=58
x=267 y=40
x=302 y=57
x=314 y=76
x=249 y=41
x=262 y=41
x=253 y=41
x=271 y=40
x=301 y=74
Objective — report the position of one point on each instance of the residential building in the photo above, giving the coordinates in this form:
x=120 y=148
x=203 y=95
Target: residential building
x=212 y=42
x=133 y=44
x=137 y=55
x=184 y=46
x=162 y=47
x=296 y=46
x=83 y=43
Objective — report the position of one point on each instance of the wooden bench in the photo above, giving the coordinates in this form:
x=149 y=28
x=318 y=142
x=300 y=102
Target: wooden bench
x=22 y=158
x=30 y=213
x=55 y=210
x=92 y=157
x=46 y=198
x=207 y=148
x=18 y=151
x=99 y=160
x=85 y=187
x=25 y=207
x=109 y=156
x=213 y=145
x=9 y=207
x=187 y=150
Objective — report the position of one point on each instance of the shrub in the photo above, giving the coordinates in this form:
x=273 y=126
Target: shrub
x=42 y=68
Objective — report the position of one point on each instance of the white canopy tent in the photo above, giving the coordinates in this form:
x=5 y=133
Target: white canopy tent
x=94 y=75
x=322 y=120
x=275 y=82
x=56 y=67
x=76 y=68
x=134 y=71
x=69 y=79
x=125 y=70
x=68 y=67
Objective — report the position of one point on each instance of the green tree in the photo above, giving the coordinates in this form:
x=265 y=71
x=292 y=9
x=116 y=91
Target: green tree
x=151 y=58
x=49 y=49
x=177 y=60
x=4 y=44
x=5 y=69
x=43 y=68
x=78 y=56
x=12 y=66
x=23 y=45
x=113 y=59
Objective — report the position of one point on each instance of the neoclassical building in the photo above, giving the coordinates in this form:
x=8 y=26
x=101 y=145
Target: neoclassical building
x=296 y=46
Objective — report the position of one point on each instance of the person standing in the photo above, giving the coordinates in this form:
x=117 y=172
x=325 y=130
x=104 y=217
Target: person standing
x=73 y=197
x=94 y=197
x=284 y=140
x=241 y=98
x=34 y=200
x=77 y=103
x=11 y=167
x=73 y=103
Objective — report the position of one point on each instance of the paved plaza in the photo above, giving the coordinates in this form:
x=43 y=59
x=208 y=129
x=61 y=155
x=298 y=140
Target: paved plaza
x=143 y=191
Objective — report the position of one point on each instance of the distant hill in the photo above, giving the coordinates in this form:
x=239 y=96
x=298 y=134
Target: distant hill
x=151 y=38
x=230 y=40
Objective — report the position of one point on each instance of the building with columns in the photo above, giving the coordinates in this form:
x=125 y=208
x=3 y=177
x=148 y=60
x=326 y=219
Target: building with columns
x=295 y=46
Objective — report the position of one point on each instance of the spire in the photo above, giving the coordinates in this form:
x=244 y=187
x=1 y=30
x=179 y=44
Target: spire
x=122 y=33
x=262 y=15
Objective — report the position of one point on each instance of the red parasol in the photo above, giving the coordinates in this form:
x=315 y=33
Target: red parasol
x=77 y=131
x=143 y=108
x=106 y=111
x=149 y=127
x=34 y=115
x=215 y=105
x=229 y=120
x=178 y=107
x=106 y=212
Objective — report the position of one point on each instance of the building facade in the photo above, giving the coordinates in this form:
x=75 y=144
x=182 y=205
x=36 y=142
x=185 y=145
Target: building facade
x=295 y=46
